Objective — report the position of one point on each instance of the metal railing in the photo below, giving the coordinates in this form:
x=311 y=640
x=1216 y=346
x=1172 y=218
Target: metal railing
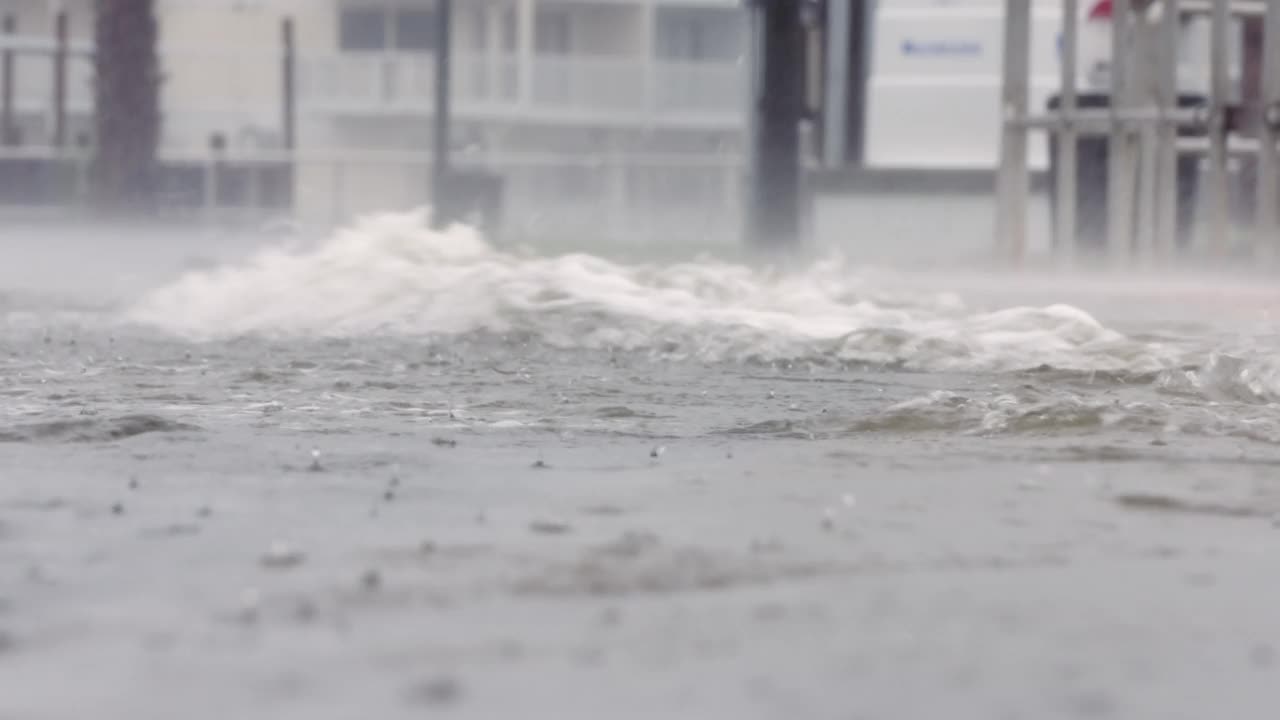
x=1143 y=123
x=548 y=198
x=570 y=87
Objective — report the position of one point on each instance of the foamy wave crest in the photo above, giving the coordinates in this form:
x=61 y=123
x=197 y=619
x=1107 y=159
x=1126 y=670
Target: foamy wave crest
x=391 y=274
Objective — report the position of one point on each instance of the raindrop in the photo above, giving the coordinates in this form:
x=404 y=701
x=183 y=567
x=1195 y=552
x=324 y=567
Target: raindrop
x=828 y=519
x=250 y=604
x=282 y=555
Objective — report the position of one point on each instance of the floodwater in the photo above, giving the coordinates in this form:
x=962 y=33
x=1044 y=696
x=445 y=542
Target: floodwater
x=398 y=472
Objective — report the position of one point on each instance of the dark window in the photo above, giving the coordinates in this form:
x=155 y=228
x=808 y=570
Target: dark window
x=362 y=29
x=509 y=41
x=698 y=34
x=415 y=30
x=551 y=32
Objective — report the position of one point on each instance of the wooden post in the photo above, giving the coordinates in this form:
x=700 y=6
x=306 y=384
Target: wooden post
x=441 y=212
x=126 y=106
x=1166 y=84
x=60 y=80
x=1219 y=96
x=774 y=211
x=839 y=65
x=288 y=85
x=1269 y=134
x=1068 y=136
x=1013 y=178
x=1122 y=150
x=8 y=130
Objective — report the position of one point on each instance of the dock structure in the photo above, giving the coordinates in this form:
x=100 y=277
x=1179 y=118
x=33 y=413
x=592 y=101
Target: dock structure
x=1151 y=131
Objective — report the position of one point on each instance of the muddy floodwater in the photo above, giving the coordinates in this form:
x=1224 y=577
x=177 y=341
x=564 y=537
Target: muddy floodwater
x=395 y=473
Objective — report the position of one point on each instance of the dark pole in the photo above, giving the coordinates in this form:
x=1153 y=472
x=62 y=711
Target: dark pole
x=8 y=133
x=440 y=144
x=773 y=218
x=288 y=97
x=124 y=170
x=60 y=81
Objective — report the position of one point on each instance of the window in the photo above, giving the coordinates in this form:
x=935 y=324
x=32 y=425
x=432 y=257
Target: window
x=378 y=28
x=415 y=30
x=362 y=29
x=696 y=34
x=552 y=30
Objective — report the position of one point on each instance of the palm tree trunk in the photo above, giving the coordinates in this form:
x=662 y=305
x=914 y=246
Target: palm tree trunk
x=127 y=107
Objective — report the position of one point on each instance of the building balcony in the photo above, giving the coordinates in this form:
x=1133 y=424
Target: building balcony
x=553 y=89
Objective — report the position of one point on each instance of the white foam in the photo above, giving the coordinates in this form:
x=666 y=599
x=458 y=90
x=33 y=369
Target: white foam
x=391 y=274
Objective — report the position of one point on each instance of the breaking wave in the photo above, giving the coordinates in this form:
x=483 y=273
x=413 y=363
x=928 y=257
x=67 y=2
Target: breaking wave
x=391 y=274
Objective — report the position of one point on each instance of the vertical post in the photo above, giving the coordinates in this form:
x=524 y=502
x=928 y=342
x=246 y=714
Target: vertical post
x=338 y=190
x=1269 y=134
x=1122 y=153
x=8 y=132
x=1165 y=218
x=441 y=212
x=1146 y=67
x=1068 y=165
x=1219 y=93
x=775 y=204
x=836 y=105
x=288 y=85
x=648 y=34
x=60 y=80
x=1013 y=178
x=494 y=75
x=524 y=50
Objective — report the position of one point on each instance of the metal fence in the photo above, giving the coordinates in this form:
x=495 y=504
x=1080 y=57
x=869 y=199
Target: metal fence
x=548 y=199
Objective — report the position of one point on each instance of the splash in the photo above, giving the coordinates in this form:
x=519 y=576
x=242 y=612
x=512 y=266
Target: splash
x=391 y=274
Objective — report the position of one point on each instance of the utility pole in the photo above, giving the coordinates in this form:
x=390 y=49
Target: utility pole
x=778 y=48
x=440 y=170
x=61 y=30
x=126 y=105
x=8 y=131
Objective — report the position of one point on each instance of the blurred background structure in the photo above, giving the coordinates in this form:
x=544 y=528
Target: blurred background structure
x=592 y=114
x=595 y=124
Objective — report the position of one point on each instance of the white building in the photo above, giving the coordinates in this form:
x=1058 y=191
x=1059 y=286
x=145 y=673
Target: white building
x=599 y=104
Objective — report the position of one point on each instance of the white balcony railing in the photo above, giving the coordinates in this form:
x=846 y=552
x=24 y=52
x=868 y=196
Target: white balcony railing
x=568 y=88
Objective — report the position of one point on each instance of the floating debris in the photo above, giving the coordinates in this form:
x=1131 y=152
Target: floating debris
x=828 y=519
x=117 y=509
x=437 y=691
x=282 y=555
x=371 y=580
x=1165 y=503
x=658 y=451
x=389 y=496
x=315 y=461
x=305 y=611
x=133 y=483
x=540 y=464
x=546 y=527
x=250 y=604
x=444 y=442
